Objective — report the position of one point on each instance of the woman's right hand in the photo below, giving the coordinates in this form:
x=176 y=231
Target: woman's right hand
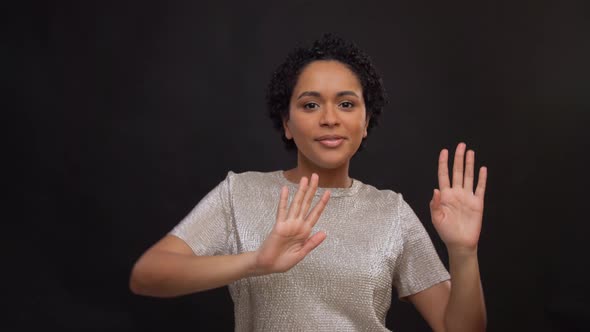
x=289 y=241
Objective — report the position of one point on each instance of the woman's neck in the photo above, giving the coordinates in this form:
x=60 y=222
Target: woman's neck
x=328 y=177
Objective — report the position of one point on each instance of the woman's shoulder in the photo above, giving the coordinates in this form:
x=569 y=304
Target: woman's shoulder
x=379 y=193
x=252 y=178
x=252 y=175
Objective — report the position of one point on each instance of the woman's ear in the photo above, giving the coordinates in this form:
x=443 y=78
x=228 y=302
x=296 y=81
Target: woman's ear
x=286 y=128
x=367 y=120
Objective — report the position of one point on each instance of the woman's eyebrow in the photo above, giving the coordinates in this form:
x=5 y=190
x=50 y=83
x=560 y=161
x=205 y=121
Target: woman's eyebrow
x=346 y=93
x=309 y=93
x=317 y=94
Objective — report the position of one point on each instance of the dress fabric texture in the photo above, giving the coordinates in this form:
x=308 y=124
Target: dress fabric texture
x=374 y=242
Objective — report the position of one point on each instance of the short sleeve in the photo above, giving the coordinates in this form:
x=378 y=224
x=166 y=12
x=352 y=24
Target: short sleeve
x=418 y=265
x=207 y=228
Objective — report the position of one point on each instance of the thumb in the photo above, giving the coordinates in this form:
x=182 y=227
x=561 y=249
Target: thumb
x=435 y=201
x=313 y=242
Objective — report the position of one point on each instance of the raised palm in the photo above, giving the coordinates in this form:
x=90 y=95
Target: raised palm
x=457 y=210
x=289 y=241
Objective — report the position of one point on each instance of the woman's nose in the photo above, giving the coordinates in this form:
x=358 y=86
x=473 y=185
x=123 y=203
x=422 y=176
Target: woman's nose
x=329 y=116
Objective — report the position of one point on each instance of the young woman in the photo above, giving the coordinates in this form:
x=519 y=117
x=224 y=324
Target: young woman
x=310 y=248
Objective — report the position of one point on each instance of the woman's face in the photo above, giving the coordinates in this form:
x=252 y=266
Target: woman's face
x=327 y=116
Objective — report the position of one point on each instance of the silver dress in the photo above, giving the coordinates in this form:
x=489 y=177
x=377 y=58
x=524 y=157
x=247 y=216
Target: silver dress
x=374 y=242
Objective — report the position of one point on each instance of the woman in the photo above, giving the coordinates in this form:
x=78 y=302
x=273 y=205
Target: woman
x=325 y=254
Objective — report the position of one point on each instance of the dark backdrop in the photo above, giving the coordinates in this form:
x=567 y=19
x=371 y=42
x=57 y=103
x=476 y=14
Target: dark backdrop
x=129 y=113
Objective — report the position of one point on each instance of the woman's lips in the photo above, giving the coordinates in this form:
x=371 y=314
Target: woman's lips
x=331 y=142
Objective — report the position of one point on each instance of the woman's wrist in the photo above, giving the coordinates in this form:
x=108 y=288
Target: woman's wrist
x=461 y=253
x=252 y=270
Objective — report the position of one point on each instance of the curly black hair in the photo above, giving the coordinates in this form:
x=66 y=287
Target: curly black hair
x=328 y=47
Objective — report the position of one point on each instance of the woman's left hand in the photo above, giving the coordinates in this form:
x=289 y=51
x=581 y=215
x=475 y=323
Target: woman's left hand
x=456 y=210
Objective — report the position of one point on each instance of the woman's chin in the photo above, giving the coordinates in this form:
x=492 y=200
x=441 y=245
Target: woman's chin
x=325 y=162
x=326 y=159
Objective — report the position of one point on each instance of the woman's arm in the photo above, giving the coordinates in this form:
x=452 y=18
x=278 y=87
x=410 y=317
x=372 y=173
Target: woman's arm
x=456 y=307
x=466 y=309
x=170 y=268
x=457 y=213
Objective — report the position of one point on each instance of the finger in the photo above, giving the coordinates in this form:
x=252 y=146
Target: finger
x=481 y=182
x=317 y=210
x=443 y=169
x=435 y=205
x=458 y=165
x=313 y=242
x=296 y=203
x=282 y=209
x=309 y=195
x=469 y=164
x=435 y=202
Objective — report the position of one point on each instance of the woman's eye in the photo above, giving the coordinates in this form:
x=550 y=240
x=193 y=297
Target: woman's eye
x=346 y=104
x=311 y=106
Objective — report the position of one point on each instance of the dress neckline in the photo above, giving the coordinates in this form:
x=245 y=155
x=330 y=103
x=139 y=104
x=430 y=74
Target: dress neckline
x=334 y=192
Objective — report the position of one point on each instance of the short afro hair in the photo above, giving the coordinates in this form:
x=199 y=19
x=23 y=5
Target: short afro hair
x=328 y=47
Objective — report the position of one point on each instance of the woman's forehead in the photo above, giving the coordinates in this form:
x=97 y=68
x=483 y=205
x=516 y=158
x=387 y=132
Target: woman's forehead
x=327 y=77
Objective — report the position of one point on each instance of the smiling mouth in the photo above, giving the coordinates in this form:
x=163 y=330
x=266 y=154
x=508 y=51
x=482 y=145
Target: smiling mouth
x=330 y=141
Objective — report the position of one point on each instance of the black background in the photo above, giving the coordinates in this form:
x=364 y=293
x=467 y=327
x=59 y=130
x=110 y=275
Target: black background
x=127 y=114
